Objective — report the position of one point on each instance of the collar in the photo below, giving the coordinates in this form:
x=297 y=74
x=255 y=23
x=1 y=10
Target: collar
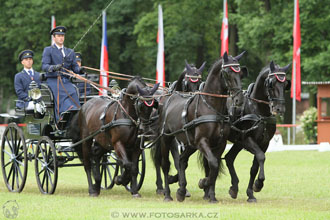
x=58 y=47
x=26 y=70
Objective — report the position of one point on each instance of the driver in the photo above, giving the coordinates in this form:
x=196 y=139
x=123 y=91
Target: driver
x=23 y=80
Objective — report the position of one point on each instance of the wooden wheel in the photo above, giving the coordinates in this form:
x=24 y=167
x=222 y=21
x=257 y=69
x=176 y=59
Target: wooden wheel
x=46 y=169
x=14 y=158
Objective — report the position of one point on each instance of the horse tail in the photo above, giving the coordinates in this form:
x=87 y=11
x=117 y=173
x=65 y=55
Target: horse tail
x=203 y=164
x=74 y=133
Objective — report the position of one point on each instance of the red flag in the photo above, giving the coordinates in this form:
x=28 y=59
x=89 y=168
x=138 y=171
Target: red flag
x=53 y=25
x=296 y=53
x=104 y=63
x=224 y=29
x=160 y=72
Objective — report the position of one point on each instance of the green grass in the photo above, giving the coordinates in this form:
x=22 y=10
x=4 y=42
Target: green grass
x=297 y=186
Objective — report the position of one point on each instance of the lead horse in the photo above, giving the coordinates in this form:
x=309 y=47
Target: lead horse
x=256 y=125
x=264 y=100
x=119 y=121
x=200 y=122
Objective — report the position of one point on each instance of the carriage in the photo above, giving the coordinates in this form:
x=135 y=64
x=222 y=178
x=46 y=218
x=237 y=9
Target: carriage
x=31 y=136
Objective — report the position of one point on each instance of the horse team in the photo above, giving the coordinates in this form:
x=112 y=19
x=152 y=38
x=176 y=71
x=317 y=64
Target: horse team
x=191 y=116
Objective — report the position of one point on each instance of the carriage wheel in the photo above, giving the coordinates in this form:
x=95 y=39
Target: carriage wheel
x=109 y=170
x=46 y=169
x=14 y=158
x=141 y=171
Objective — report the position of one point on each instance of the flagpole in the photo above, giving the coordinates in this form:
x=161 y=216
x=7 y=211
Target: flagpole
x=294 y=103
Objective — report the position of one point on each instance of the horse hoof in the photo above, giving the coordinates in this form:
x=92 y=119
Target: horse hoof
x=232 y=193
x=94 y=194
x=252 y=200
x=137 y=195
x=201 y=184
x=180 y=197
x=188 y=194
x=213 y=201
x=160 y=191
x=206 y=197
x=173 y=179
x=168 y=199
x=117 y=180
x=256 y=189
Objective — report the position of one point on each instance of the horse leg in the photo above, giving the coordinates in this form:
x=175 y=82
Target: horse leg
x=253 y=173
x=158 y=158
x=259 y=183
x=86 y=158
x=121 y=152
x=183 y=164
x=134 y=172
x=96 y=171
x=230 y=158
x=259 y=159
x=206 y=170
x=176 y=157
x=213 y=159
x=165 y=163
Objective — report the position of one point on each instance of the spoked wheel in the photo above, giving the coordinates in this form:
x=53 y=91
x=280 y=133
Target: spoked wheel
x=141 y=172
x=46 y=169
x=109 y=170
x=14 y=158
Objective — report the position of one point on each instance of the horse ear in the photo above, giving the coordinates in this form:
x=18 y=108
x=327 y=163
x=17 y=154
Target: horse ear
x=225 y=56
x=188 y=67
x=154 y=89
x=284 y=69
x=202 y=67
x=239 y=56
x=141 y=91
x=272 y=66
x=245 y=71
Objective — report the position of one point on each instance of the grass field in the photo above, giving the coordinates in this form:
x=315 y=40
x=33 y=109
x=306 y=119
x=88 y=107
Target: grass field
x=297 y=186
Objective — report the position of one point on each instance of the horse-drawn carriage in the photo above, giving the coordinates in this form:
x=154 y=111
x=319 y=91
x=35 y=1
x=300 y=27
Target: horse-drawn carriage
x=31 y=136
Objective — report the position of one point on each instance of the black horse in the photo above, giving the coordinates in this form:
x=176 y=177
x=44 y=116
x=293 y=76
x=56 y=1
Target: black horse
x=200 y=122
x=256 y=125
x=189 y=81
x=118 y=120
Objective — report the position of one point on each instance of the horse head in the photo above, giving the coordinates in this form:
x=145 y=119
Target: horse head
x=232 y=74
x=274 y=87
x=146 y=102
x=192 y=77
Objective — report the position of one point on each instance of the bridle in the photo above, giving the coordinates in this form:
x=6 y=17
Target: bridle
x=269 y=87
x=236 y=68
x=138 y=105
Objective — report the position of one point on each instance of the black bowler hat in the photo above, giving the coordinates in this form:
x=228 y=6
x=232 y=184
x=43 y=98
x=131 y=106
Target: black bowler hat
x=58 y=30
x=25 y=54
x=78 y=56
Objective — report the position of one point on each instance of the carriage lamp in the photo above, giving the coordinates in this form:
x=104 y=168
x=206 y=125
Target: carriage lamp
x=34 y=91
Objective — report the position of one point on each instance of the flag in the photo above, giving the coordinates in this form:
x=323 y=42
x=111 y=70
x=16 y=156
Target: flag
x=296 y=53
x=224 y=29
x=104 y=63
x=53 y=25
x=160 y=72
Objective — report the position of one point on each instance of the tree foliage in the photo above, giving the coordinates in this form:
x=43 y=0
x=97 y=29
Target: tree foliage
x=192 y=31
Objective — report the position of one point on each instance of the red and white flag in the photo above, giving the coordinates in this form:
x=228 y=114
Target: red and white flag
x=53 y=25
x=104 y=62
x=160 y=72
x=296 y=78
x=224 y=29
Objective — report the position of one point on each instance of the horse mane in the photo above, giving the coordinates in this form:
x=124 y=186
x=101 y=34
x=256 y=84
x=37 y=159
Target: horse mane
x=178 y=85
x=215 y=68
